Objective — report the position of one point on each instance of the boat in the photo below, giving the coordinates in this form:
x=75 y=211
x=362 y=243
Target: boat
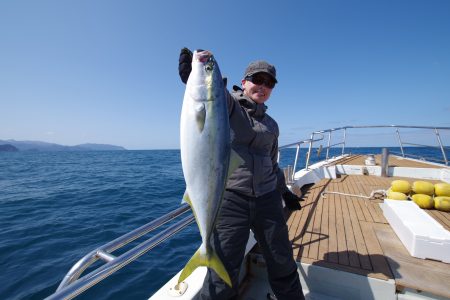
x=346 y=242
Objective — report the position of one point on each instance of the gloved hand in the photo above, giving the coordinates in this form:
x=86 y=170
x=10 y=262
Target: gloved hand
x=184 y=64
x=291 y=200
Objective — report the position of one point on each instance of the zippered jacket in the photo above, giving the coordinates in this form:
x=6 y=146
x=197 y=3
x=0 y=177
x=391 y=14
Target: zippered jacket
x=254 y=136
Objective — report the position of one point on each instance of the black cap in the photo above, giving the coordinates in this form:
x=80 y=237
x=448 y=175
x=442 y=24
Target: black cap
x=261 y=66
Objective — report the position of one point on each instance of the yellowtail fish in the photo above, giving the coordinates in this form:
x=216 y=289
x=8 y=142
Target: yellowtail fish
x=205 y=155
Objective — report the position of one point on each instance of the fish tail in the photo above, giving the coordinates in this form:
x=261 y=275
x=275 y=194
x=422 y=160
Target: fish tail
x=211 y=261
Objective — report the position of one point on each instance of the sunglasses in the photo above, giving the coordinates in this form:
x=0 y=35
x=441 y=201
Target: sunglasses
x=261 y=80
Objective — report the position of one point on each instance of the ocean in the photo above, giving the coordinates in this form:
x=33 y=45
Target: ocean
x=55 y=207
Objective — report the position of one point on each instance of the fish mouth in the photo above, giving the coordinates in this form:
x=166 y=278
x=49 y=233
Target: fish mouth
x=202 y=56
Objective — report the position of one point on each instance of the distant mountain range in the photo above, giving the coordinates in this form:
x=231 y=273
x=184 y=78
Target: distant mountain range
x=44 y=146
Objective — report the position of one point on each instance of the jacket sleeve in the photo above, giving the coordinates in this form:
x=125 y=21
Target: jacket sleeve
x=230 y=102
x=281 y=181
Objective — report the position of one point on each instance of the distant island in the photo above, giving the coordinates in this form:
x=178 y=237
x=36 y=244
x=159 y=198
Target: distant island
x=13 y=145
x=8 y=148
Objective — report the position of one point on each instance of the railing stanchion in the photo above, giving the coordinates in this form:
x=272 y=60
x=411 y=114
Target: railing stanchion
x=309 y=151
x=298 y=144
x=343 y=143
x=442 y=147
x=295 y=162
x=400 y=142
x=328 y=144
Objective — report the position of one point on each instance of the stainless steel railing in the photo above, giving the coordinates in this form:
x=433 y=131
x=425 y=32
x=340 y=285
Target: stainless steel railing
x=72 y=285
x=292 y=169
x=321 y=133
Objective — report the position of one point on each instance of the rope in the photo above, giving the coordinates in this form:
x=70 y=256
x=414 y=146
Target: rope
x=373 y=195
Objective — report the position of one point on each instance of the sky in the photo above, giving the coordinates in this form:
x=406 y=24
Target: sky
x=87 y=71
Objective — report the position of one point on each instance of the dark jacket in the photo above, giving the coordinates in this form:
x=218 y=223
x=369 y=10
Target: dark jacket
x=254 y=136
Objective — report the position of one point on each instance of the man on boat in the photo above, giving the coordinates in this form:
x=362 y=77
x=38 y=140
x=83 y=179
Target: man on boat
x=252 y=199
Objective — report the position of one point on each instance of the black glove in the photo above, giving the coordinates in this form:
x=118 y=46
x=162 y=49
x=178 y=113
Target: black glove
x=184 y=64
x=291 y=200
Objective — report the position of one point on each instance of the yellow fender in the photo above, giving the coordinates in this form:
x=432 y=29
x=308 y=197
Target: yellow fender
x=423 y=187
x=442 y=189
x=401 y=186
x=442 y=203
x=395 y=195
x=424 y=201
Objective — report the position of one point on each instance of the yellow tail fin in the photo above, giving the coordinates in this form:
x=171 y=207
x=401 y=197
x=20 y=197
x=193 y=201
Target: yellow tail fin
x=211 y=261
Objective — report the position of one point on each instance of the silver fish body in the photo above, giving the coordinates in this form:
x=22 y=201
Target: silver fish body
x=205 y=154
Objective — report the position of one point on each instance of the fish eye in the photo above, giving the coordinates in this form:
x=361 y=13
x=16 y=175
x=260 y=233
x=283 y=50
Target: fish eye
x=209 y=66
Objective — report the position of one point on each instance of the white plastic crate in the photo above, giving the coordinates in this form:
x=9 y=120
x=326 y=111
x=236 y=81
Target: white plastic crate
x=422 y=235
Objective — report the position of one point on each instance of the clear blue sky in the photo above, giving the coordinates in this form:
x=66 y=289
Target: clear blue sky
x=73 y=72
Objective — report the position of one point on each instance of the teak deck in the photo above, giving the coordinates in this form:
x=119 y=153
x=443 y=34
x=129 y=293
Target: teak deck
x=351 y=234
x=394 y=161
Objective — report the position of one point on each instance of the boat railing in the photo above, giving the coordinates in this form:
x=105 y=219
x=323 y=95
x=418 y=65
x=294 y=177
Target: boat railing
x=320 y=135
x=72 y=285
x=291 y=169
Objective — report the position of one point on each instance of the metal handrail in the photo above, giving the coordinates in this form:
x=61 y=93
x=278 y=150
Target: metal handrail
x=71 y=285
x=343 y=142
x=401 y=143
x=297 y=144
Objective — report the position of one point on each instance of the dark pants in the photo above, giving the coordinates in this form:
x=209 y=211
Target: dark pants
x=264 y=215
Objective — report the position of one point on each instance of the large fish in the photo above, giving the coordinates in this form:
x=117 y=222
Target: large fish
x=205 y=155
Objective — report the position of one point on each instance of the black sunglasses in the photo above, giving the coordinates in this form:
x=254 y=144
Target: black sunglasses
x=258 y=80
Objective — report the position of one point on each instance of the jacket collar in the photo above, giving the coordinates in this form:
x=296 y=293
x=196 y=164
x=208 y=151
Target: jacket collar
x=253 y=109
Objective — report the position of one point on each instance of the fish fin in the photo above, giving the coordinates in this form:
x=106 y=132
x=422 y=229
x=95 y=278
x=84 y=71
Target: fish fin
x=186 y=199
x=200 y=116
x=213 y=261
x=235 y=162
x=217 y=265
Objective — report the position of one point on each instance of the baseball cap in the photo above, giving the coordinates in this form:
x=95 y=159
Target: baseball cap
x=261 y=66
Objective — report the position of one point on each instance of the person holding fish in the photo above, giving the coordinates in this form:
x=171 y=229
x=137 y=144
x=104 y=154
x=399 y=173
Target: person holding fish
x=229 y=149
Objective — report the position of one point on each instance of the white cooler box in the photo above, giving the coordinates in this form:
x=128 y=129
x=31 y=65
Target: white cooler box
x=422 y=235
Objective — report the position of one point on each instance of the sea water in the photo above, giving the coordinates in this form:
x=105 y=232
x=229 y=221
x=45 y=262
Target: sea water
x=55 y=207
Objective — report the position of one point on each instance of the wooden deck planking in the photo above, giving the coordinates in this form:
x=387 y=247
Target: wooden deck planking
x=349 y=234
x=357 y=207
x=359 y=237
x=290 y=222
x=394 y=161
x=333 y=247
x=316 y=231
x=297 y=220
x=442 y=217
x=376 y=255
x=364 y=185
x=324 y=230
x=349 y=160
x=304 y=219
x=353 y=204
x=362 y=204
x=337 y=231
x=310 y=237
x=340 y=233
x=295 y=232
x=370 y=245
x=408 y=271
x=306 y=239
